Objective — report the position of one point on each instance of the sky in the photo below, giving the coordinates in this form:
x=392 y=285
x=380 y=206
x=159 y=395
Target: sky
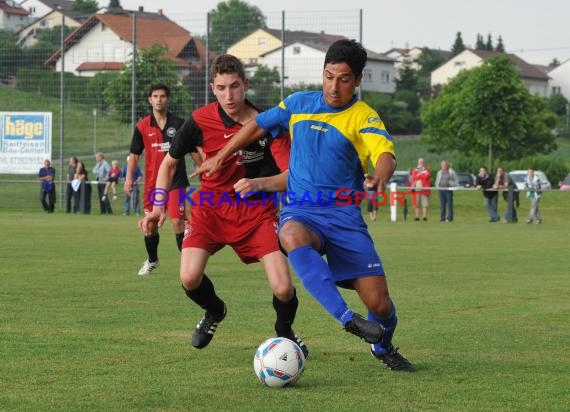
x=537 y=32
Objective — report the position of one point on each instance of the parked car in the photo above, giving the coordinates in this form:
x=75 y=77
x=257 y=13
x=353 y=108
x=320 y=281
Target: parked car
x=465 y=179
x=401 y=178
x=565 y=184
x=519 y=177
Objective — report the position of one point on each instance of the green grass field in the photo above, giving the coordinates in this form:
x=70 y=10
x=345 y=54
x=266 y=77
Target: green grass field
x=483 y=308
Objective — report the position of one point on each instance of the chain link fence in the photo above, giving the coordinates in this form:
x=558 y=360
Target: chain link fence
x=93 y=74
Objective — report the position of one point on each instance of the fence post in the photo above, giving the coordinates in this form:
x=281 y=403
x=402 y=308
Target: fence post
x=393 y=205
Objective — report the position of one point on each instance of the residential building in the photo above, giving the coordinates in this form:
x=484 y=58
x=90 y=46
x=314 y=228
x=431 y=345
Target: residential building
x=27 y=36
x=304 y=54
x=560 y=79
x=251 y=49
x=535 y=79
x=39 y=8
x=12 y=16
x=104 y=42
x=413 y=55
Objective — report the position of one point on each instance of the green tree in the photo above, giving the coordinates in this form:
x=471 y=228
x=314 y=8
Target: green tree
x=480 y=43
x=10 y=54
x=231 y=21
x=489 y=110
x=48 y=42
x=458 y=45
x=489 y=44
x=428 y=61
x=407 y=76
x=151 y=68
x=557 y=104
x=87 y=6
x=554 y=63
x=264 y=87
x=500 y=47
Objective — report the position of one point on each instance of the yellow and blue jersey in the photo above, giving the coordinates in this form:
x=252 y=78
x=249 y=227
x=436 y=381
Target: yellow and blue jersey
x=330 y=147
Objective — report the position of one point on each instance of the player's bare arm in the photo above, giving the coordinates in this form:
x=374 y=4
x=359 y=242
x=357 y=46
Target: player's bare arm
x=163 y=181
x=249 y=133
x=385 y=166
x=131 y=168
x=276 y=183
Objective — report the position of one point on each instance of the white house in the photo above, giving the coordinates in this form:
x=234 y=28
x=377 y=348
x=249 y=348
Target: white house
x=39 y=8
x=12 y=16
x=560 y=79
x=104 y=43
x=27 y=35
x=413 y=54
x=535 y=79
x=251 y=49
x=304 y=66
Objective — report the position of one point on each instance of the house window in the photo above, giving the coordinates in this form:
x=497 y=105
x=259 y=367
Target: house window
x=459 y=64
x=262 y=41
x=385 y=77
x=556 y=90
x=297 y=50
x=253 y=60
x=103 y=27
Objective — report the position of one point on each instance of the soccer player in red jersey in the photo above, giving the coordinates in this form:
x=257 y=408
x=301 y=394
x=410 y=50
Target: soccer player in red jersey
x=153 y=135
x=248 y=224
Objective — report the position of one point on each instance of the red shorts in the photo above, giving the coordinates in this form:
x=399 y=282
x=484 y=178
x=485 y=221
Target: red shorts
x=175 y=205
x=250 y=230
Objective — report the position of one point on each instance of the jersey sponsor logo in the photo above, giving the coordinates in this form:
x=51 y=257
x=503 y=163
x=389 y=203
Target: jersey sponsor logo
x=163 y=146
x=170 y=132
x=319 y=128
x=227 y=136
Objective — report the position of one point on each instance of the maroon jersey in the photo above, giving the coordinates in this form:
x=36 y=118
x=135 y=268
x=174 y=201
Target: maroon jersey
x=148 y=137
x=211 y=128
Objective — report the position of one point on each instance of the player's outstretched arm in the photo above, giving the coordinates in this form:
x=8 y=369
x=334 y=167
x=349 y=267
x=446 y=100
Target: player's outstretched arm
x=277 y=183
x=249 y=133
x=385 y=166
x=159 y=196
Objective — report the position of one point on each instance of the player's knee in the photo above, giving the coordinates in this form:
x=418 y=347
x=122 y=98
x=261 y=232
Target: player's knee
x=283 y=291
x=380 y=306
x=190 y=280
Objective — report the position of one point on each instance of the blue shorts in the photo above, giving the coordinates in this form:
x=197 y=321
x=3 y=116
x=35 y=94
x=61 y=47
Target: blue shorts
x=344 y=238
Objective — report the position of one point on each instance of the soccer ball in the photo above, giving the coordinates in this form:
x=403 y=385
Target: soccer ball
x=278 y=362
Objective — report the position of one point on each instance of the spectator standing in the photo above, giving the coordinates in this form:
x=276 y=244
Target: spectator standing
x=69 y=193
x=101 y=172
x=446 y=178
x=421 y=176
x=46 y=175
x=82 y=189
x=503 y=183
x=132 y=199
x=532 y=186
x=485 y=182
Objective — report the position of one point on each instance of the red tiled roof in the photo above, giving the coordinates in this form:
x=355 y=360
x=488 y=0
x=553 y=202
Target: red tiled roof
x=151 y=29
x=525 y=69
x=13 y=9
x=100 y=66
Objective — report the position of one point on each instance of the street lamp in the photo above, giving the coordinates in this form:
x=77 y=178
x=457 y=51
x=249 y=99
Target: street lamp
x=94 y=131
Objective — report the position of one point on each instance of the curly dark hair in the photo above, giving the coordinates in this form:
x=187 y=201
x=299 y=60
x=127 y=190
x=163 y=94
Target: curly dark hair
x=350 y=52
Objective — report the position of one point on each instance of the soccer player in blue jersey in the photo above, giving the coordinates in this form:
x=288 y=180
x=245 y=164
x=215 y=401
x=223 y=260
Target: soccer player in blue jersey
x=334 y=135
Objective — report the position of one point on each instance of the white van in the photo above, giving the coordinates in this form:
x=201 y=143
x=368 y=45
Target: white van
x=519 y=177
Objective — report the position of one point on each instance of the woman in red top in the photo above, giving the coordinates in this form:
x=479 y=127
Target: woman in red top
x=421 y=178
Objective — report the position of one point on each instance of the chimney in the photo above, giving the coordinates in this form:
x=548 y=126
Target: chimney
x=141 y=9
x=159 y=12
